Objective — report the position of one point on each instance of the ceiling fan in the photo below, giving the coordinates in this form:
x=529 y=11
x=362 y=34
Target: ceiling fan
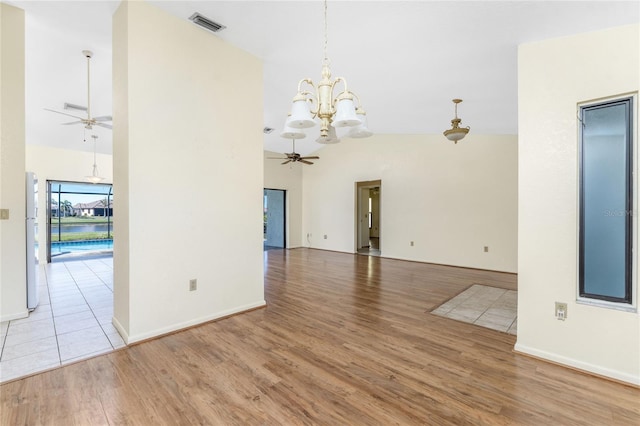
x=294 y=156
x=89 y=121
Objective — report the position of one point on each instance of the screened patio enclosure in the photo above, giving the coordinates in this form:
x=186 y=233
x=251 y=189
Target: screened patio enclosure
x=79 y=218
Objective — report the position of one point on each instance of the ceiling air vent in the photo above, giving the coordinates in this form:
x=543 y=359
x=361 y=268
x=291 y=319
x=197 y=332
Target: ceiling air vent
x=206 y=23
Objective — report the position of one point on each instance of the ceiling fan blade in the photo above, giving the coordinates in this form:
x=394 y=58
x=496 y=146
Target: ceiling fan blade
x=64 y=113
x=73 y=122
x=103 y=118
x=106 y=126
x=68 y=105
x=277 y=158
x=305 y=161
x=310 y=158
x=288 y=161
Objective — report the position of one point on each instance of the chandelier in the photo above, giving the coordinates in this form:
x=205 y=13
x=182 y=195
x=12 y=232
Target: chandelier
x=332 y=111
x=455 y=133
x=94 y=178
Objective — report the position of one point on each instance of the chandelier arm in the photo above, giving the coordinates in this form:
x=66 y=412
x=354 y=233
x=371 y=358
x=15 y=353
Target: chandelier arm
x=310 y=96
x=314 y=111
x=358 y=99
x=345 y=91
x=305 y=80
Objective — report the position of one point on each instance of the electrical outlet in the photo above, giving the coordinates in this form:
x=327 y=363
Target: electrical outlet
x=561 y=311
x=4 y=214
x=325 y=236
x=193 y=284
x=486 y=249
x=411 y=243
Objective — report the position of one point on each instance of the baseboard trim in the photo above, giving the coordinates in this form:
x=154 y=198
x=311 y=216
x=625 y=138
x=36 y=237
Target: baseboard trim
x=121 y=330
x=160 y=332
x=584 y=367
x=417 y=261
x=16 y=316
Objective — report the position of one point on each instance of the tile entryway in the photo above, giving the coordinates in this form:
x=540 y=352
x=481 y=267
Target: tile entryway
x=72 y=320
x=486 y=306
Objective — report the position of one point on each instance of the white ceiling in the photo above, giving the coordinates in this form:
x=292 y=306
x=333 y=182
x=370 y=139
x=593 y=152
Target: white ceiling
x=405 y=59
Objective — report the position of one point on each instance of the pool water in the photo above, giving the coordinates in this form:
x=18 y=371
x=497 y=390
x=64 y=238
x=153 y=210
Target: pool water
x=80 y=246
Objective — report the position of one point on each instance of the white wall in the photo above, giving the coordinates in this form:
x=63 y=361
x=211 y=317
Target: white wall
x=13 y=289
x=289 y=178
x=584 y=67
x=188 y=171
x=50 y=163
x=451 y=200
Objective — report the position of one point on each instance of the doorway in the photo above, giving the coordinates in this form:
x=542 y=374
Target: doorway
x=274 y=219
x=79 y=219
x=368 y=232
x=75 y=287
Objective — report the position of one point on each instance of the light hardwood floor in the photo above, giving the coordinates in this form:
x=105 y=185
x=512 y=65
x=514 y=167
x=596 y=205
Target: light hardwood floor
x=345 y=339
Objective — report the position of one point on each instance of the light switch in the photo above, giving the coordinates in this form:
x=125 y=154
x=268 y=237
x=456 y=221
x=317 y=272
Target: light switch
x=4 y=214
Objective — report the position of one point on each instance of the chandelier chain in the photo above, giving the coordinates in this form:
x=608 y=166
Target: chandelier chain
x=325 y=32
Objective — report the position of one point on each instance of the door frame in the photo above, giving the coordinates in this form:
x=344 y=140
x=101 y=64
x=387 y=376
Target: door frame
x=285 y=223
x=360 y=186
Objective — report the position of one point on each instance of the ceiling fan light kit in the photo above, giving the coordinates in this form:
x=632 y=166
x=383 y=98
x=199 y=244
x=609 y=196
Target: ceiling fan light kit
x=332 y=111
x=456 y=133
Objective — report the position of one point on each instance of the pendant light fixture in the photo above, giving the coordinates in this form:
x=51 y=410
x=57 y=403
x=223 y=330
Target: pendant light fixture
x=94 y=178
x=332 y=111
x=455 y=133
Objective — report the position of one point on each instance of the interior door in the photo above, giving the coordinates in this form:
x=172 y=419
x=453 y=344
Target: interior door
x=363 y=216
x=275 y=223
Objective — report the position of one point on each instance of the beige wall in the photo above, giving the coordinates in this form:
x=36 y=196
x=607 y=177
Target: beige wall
x=289 y=178
x=585 y=67
x=13 y=293
x=451 y=200
x=188 y=171
x=50 y=163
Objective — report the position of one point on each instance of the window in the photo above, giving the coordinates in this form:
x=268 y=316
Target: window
x=606 y=231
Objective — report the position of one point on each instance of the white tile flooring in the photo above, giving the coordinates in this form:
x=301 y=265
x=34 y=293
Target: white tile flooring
x=72 y=320
x=486 y=306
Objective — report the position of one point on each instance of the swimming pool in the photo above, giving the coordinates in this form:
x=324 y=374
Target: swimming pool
x=80 y=246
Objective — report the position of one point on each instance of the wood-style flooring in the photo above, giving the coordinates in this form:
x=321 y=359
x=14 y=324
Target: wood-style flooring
x=344 y=340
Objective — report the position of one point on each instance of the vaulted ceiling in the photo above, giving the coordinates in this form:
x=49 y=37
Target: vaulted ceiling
x=405 y=59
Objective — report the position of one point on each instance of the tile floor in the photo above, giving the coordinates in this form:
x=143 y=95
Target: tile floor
x=486 y=306
x=72 y=320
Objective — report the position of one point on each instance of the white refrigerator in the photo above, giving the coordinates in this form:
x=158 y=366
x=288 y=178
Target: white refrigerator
x=32 y=241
